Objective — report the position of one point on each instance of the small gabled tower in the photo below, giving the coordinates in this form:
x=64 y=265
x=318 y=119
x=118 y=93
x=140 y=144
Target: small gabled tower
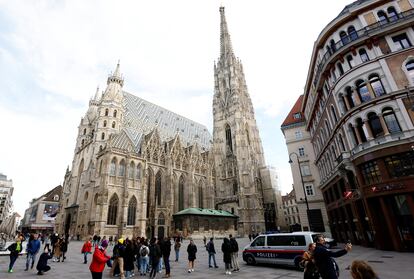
x=237 y=148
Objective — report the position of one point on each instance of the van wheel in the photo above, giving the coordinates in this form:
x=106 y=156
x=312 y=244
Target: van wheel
x=250 y=260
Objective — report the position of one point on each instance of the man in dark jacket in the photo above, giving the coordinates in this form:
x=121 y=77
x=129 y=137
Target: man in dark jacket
x=211 y=253
x=327 y=267
x=166 y=251
x=42 y=263
x=118 y=255
x=234 y=253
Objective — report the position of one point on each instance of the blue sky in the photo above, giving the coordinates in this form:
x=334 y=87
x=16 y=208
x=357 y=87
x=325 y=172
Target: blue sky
x=53 y=55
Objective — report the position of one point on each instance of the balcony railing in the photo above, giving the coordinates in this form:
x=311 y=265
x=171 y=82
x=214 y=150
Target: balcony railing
x=361 y=33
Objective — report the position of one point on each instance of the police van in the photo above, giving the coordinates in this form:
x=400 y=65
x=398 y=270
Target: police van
x=278 y=248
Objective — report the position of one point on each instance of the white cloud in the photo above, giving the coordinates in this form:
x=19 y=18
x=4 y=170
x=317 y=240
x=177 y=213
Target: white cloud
x=58 y=51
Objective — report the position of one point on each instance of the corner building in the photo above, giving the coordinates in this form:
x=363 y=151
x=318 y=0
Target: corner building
x=136 y=164
x=358 y=104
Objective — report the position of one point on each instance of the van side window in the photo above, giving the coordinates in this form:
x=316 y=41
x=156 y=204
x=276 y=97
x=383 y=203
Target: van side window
x=260 y=241
x=286 y=240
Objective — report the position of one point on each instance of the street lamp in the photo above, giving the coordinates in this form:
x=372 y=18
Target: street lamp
x=303 y=186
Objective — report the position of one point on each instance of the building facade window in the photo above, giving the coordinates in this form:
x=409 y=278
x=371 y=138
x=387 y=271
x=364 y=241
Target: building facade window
x=350 y=61
x=229 y=143
x=400 y=165
x=340 y=69
x=138 y=174
x=391 y=121
x=158 y=188
x=309 y=190
x=363 y=91
x=363 y=55
x=102 y=136
x=353 y=35
x=298 y=134
x=382 y=17
x=301 y=151
x=112 y=169
x=305 y=170
x=115 y=112
x=181 y=194
x=375 y=125
x=106 y=112
x=344 y=37
x=376 y=85
x=297 y=115
x=401 y=41
x=131 y=170
x=409 y=66
x=392 y=13
x=104 y=123
x=121 y=171
x=112 y=210
x=371 y=173
x=113 y=124
x=132 y=209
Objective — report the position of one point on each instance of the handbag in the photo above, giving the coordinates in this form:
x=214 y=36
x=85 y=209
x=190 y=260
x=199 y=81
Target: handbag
x=109 y=262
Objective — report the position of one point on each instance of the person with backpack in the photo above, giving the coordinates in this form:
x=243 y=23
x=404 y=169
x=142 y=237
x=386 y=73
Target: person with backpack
x=192 y=251
x=155 y=256
x=129 y=258
x=86 y=249
x=211 y=253
x=32 y=249
x=144 y=258
x=42 y=263
x=15 y=249
x=234 y=253
x=118 y=255
x=177 y=246
x=226 y=249
x=99 y=259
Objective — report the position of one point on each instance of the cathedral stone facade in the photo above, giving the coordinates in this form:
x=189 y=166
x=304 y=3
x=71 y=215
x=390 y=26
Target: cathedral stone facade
x=136 y=164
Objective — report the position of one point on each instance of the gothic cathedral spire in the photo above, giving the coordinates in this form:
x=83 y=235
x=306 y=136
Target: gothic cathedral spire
x=238 y=152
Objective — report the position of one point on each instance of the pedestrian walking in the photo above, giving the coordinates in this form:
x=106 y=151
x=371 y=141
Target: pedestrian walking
x=226 y=249
x=86 y=249
x=192 y=251
x=129 y=258
x=205 y=241
x=15 y=250
x=234 y=253
x=166 y=251
x=118 y=255
x=250 y=237
x=362 y=270
x=57 y=251
x=211 y=253
x=99 y=259
x=63 y=248
x=42 y=263
x=144 y=258
x=47 y=242
x=177 y=246
x=327 y=267
x=155 y=256
x=32 y=248
x=308 y=263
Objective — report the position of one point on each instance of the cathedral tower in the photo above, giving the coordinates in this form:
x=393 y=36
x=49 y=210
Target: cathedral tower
x=237 y=148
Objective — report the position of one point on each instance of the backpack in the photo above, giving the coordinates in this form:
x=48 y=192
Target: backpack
x=143 y=251
x=116 y=251
x=208 y=246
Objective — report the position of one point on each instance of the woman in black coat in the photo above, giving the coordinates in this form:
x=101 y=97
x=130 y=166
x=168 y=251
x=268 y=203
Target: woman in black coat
x=226 y=249
x=129 y=259
x=192 y=251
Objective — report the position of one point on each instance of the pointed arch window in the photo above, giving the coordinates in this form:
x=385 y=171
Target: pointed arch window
x=149 y=181
x=158 y=188
x=102 y=136
x=200 y=196
x=112 y=169
x=113 y=124
x=121 y=171
x=229 y=143
x=131 y=170
x=362 y=90
x=115 y=112
x=181 y=193
x=344 y=37
x=382 y=17
x=104 y=123
x=132 y=211
x=112 y=210
x=235 y=188
x=106 y=112
x=375 y=125
x=353 y=35
x=376 y=85
x=391 y=120
x=139 y=170
x=161 y=219
x=363 y=55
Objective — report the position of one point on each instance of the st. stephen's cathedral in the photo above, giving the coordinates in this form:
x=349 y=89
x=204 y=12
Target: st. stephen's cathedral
x=136 y=164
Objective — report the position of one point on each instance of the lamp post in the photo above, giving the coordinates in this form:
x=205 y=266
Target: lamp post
x=303 y=186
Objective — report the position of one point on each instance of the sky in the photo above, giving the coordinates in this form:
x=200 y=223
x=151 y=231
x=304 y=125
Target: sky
x=54 y=54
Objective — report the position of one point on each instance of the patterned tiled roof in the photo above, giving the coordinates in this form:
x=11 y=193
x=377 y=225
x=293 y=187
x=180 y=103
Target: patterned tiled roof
x=295 y=115
x=142 y=117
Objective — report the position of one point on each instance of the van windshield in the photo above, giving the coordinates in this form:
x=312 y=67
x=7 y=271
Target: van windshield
x=260 y=241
